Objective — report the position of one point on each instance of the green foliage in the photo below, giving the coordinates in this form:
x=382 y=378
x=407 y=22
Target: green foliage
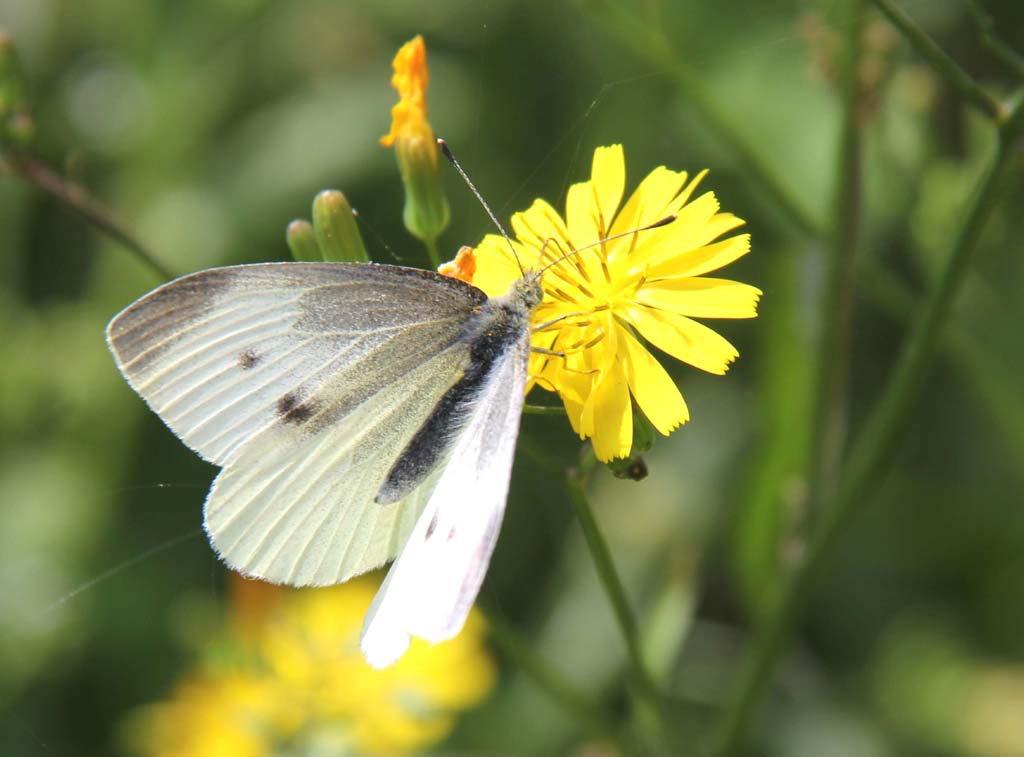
x=204 y=126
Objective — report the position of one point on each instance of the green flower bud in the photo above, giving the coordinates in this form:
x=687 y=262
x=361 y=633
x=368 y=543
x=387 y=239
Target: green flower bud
x=302 y=241
x=335 y=228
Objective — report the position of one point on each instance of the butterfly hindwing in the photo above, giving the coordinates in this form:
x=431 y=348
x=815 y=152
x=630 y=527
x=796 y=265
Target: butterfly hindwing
x=305 y=381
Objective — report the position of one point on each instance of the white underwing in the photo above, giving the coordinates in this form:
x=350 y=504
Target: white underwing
x=359 y=413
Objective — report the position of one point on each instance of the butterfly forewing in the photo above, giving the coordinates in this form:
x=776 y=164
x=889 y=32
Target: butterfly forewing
x=305 y=381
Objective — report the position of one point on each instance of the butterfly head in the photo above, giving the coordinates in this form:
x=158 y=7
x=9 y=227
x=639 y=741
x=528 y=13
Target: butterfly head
x=527 y=290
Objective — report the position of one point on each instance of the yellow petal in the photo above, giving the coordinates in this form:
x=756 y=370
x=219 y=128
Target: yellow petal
x=573 y=389
x=698 y=235
x=608 y=181
x=609 y=415
x=410 y=79
x=580 y=215
x=590 y=205
x=652 y=387
x=683 y=339
x=701 y=297
x=496 y=267
x=695 y=225
x=593 y=365
x=696 y=261
x=650 y=201
x=541 y=228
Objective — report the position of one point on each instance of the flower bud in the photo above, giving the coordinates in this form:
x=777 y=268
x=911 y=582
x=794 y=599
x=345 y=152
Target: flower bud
x=302 y=241
x=426 y=213
x=334 y=226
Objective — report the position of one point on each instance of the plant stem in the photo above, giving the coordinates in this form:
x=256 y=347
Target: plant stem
x=432 y=254
x=835 y=343
x=543 y=409
x=644 y=684
x=986 y=28
x=942 y=63
x=872 y=451
x=78 y=199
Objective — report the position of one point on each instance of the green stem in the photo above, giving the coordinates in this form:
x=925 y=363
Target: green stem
x=942 y=63
x=871 y=453
x=543 y=409
x=835 y=344
x=432 y=254
x=986 y=28
x=644 y=684
x=79 y=200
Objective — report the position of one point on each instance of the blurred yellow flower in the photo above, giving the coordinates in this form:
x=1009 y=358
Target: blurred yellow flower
x=426 y=212
x=600 y=302
x=223 y=713
x=298 y=678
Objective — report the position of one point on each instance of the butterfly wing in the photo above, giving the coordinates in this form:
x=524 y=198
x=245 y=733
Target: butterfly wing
x=432 y=585
x=305 y=381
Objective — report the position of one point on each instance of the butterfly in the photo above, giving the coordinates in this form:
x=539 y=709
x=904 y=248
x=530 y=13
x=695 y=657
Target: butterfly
x=359 y=412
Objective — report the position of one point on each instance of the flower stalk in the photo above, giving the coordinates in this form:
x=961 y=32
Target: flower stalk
x=835 y=344
x=955 y=76
x=644 y=687
x=78 y=199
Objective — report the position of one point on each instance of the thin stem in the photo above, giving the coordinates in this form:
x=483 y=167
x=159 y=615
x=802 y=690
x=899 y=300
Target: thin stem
x=78 y=199
x=432 y=254
x=543 y=409
x=959 y=79
x=871 y=453
x=986 y=28
x=835 y=346
x=614 y=590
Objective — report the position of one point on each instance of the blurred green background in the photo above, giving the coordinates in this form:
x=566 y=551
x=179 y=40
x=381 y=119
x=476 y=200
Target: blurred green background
x=207 y=125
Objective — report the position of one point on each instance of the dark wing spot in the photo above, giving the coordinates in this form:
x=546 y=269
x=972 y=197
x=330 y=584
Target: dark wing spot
x=248 y=360
x=451 y=535
x=291 y=410
x=430 y=527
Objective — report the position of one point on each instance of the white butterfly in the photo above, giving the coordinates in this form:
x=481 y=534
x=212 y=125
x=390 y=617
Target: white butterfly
x=359 y=412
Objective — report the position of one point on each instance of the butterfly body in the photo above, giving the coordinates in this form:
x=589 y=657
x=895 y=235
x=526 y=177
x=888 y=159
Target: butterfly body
x=357 y=411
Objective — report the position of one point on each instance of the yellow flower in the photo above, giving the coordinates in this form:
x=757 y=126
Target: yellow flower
x=291 y=678
x=426 y=212
x=603 y=303
x=311 y=645
x=226 y=713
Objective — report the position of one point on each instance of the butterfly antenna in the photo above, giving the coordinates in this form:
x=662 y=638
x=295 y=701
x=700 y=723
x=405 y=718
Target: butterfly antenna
x=476 y=193
x=656 y=225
